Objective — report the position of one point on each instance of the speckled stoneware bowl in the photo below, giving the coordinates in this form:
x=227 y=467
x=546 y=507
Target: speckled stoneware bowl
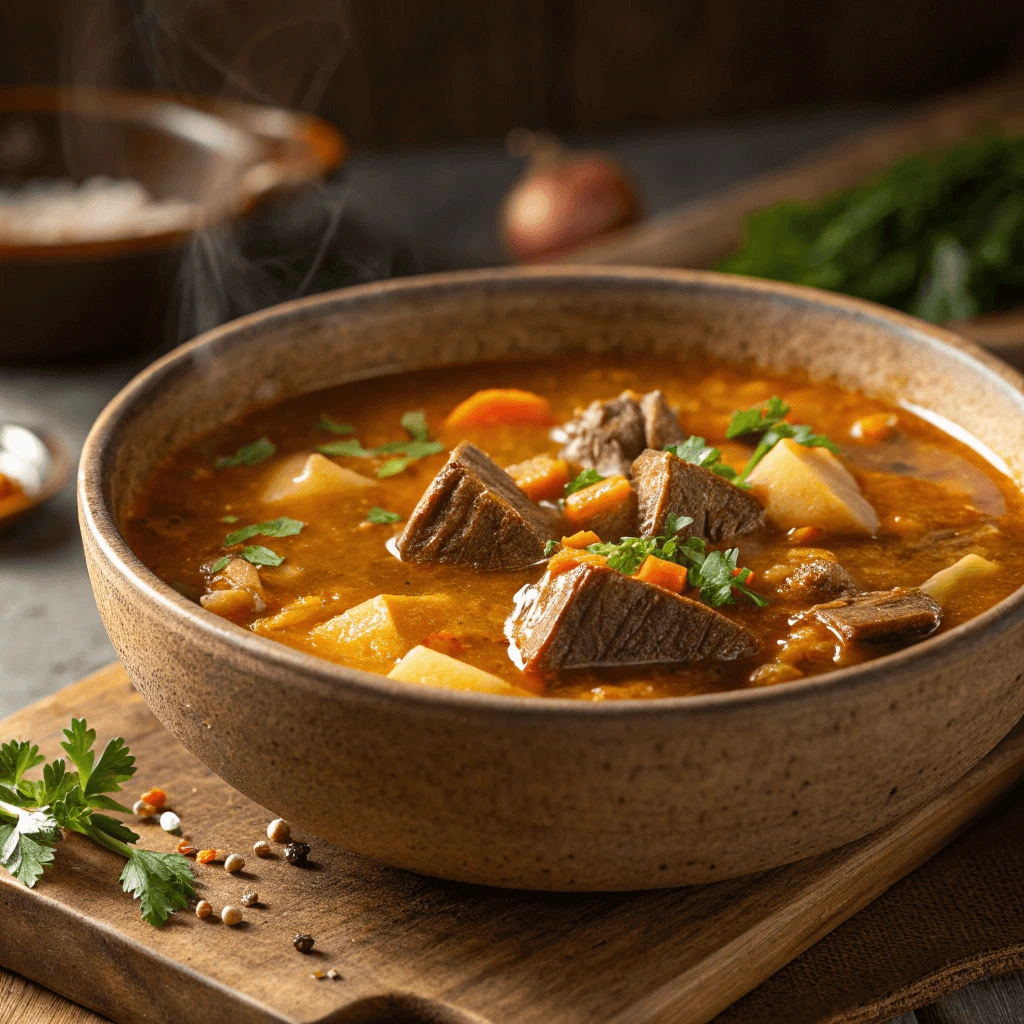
x=541 y=793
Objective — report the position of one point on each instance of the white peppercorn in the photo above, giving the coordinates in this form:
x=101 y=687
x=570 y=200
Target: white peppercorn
x=231 y=915
x=262 y=848
x=170 y=822
x=234 y=863
x=142 y=809
x=249 y=898
x=204 y=909
x=279 y=831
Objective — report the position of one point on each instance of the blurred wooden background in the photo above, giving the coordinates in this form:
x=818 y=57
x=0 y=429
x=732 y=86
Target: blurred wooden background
x=430 y=71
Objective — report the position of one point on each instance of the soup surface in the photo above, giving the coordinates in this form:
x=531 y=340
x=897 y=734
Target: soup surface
x=899 y=502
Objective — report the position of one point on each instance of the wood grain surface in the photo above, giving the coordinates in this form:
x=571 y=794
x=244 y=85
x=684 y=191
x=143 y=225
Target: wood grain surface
x=411 y=948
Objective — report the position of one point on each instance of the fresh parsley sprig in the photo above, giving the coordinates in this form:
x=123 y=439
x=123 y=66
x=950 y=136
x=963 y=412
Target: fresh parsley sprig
x=768 y=421
x=34 y=811
x=715 y=574
x=382 y=517
x=332 y=426
x=280 y=527
x=696 y=452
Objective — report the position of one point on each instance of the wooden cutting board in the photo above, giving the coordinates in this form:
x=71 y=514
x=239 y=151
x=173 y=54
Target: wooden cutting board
x=703 y=232
x=412 y=949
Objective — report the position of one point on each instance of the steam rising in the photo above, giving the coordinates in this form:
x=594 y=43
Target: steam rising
x=282 y=53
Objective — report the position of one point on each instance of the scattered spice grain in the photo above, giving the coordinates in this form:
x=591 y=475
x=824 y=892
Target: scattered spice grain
x=170 y=822
x=204 y=909
x=186 y=849
x=303 y=943
x=262 y=848
x=249 y=898
x=234 y=863
x=155 y=797
x=231 y=915
x=297 y=854
x=142 y=809
x=279 y=831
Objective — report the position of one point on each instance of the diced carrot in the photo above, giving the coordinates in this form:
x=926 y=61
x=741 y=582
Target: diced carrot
x=664 y=574
x=582 y=539
x=445 y=642
x=584 y=506
x=496 y=406
x=569 y=558
x=805 y=534
x=541 y=478
x=738 y=571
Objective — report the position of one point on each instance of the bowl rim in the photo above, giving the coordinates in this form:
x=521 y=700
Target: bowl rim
x=320 y=150
x=327 y=679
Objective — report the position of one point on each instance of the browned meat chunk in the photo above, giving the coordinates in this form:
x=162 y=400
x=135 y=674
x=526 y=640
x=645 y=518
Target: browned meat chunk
x=593 y=616
x=661 y=427
x=904 y=613
x=819 y=580
x=473 y=514
x=606 y=436
x=665 y=483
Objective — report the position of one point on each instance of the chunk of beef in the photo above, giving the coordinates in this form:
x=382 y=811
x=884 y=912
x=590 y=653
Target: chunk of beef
x=606 y=436
x=819 y=580
x=904 y=613
x=473 y=514
x=661 y=427
x=720 y=510
x=593 y=616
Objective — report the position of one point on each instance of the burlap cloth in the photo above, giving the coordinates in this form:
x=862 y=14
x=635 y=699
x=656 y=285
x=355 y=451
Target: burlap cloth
x=955 y=920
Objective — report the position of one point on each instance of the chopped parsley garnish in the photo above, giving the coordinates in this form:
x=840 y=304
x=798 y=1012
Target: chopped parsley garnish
x=587 y=478
x=229 y=519
x=33 y=812
x=259 y=555
x=715 y=574
x=550 y=547
x=350 y=448
x=757 y=419
x=333 y=426
x=282 y=527
x=402 y=452
x=249 y=454
x=768 y=421
x=416 y=425
x=382 y=517
x=695 y=451
x=219 y=565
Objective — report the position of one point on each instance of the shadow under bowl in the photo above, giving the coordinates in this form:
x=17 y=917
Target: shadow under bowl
x=542 y=793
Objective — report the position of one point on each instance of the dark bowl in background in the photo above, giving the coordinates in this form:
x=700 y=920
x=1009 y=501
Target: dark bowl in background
x=113 y=297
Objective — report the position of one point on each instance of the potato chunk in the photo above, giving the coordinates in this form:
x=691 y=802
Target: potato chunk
x=802 y=486
x=229 y=604
x=375 y=634
x=946 y=582
x=432 y=668
x=305 y=476
x=293 y=614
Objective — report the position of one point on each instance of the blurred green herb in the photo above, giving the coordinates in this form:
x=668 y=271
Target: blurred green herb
x=939 y=235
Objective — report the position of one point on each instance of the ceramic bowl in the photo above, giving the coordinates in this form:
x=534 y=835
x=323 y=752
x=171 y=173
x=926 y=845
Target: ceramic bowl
x=541 y=793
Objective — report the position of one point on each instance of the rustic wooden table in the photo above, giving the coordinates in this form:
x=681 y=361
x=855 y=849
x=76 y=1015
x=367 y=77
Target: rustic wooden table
x=439 y=208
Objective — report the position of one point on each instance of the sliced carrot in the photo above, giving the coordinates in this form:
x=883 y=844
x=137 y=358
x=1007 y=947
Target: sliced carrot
x=493 y=407
x=584 y=506
x=541 y=478
x=569 y=558
x=664 y=574
x=582 y=539
x=805 y=534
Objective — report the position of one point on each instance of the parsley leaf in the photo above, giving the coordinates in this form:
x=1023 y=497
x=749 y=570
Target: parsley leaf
x=550 y=547
x=416 y=424
x=31 y=827
x=333 y=427
x=27 y=839
x=350 y=448
x=587 y=478
x=381 y=516
x=282 y=527
x=757 y=419
x=696 y=452
x=248 y=454
x=219 y=565
x=229 y=519
x=392 y=467
x=259 y=555
x=411 y=449
x=161 y=881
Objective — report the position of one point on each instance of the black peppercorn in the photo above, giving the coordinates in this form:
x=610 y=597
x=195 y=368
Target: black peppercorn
x=297 y=854
x=303 y=943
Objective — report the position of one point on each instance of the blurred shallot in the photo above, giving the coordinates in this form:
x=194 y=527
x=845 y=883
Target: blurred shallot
x=563 y=199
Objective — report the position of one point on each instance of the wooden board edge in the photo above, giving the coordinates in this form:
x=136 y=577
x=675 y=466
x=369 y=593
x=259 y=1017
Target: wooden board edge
x=866 y=868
